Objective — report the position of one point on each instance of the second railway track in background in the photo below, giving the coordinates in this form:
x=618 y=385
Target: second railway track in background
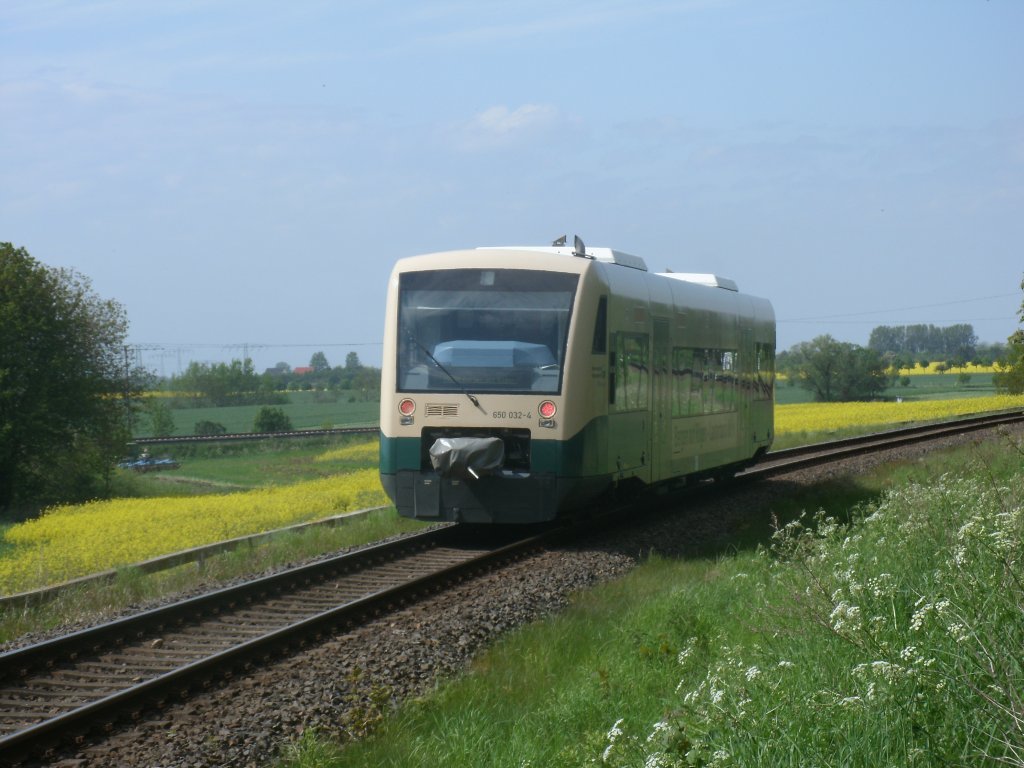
x=56 y=691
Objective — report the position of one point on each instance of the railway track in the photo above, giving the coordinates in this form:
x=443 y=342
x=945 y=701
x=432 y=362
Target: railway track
x=244 y=436
x=59 y=691
x=66 y=689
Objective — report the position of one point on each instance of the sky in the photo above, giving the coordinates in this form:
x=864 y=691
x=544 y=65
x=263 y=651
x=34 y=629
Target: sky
x=242 y=176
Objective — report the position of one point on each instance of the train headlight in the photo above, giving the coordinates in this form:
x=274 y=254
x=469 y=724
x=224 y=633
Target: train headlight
x=547 y=410
x=406 y=408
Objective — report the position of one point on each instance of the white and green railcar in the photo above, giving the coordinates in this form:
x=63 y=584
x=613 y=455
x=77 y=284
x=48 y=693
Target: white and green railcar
x=520 y=384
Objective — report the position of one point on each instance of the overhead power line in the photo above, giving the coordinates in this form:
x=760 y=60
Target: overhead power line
x=819 y=321
x=901 y=309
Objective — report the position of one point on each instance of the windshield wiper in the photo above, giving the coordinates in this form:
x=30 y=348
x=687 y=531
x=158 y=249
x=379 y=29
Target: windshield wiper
x=444 y=370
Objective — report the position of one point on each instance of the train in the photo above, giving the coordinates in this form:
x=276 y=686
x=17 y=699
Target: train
x=524 y=384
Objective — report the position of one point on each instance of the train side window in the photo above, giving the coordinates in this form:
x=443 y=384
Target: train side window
x=601 y=327
x=629 y=361
x=765 y=372
x=682 y=374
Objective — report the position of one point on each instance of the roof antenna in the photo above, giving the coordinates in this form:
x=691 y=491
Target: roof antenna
x=559 y=242
x=578 y=248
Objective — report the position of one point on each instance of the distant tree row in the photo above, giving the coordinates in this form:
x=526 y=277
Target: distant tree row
x=237 y=383
x=925 y=342
x=219 y=384
x=837 y=371
x=362 y=380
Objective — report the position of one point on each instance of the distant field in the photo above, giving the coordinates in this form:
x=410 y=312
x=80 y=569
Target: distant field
x=923 y=386
x=307 y=410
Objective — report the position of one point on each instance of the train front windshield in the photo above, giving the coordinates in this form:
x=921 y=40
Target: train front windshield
x=483 y=330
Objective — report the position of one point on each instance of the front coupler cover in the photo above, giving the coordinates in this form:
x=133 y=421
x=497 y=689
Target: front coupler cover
x=465 y=457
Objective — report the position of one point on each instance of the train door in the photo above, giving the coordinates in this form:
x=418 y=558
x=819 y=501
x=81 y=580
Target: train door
x=745 y=391
x=661 y=408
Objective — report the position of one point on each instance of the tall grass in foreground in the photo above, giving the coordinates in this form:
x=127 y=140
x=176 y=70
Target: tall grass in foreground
x=896 y=640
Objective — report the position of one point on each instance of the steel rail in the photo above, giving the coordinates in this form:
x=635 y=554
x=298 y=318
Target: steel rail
x=791 y=459
x=236 y=436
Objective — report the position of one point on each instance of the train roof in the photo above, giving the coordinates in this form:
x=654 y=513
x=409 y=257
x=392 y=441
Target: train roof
x=711 y=281
x=603 y=255
x=611 y=256
x=607 y=255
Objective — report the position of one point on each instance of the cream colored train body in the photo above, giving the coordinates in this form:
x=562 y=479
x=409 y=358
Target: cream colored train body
x=520 y=384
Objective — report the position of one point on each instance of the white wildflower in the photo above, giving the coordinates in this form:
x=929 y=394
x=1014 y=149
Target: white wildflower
x=844 y=616
x=752 y=673
x=881 y=585
x=659 y=727
x=918 y=619
x=958 y=631
x=612 y=736
x=687 y=651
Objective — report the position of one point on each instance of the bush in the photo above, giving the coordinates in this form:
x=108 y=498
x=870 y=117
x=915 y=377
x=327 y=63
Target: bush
x=272 y=420
x=207 y=427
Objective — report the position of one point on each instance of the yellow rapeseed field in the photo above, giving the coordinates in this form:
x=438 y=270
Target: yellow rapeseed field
x=831 y=417
x=361 y=452
x=937 y=367
x=71 y=541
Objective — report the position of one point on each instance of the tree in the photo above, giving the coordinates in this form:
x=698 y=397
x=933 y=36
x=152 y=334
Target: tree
x=837 y=371
x=271 y=420
x=161 y=419
x=219 y=384
x=352 y=361
x=318 y=362
x=66 y=388
x=1011 y=379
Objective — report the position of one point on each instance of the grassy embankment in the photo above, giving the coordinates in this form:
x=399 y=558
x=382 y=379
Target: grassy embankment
x=886 y=629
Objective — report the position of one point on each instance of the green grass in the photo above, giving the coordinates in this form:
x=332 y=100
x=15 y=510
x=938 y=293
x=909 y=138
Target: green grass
x=225 y=467
x=306 y=410
x=895 y=640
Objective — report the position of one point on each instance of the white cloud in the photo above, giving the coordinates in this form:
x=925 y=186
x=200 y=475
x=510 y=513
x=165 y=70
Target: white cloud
x=499 y=127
